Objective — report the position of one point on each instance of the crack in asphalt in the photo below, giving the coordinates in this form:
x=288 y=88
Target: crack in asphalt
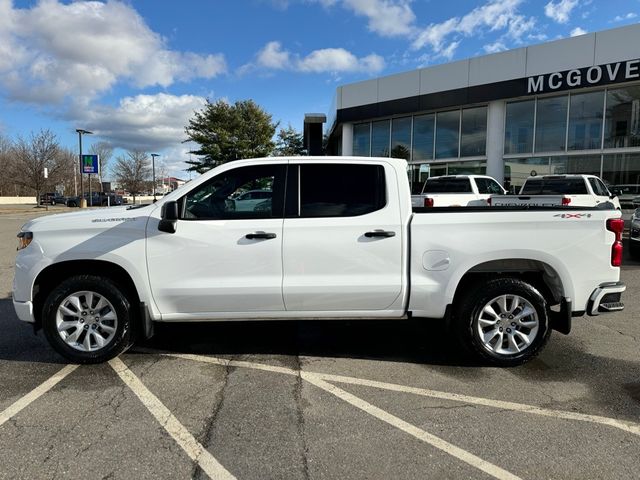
x=205 y=436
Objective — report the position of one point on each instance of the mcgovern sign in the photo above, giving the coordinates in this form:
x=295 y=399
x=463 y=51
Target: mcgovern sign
x=585 y=77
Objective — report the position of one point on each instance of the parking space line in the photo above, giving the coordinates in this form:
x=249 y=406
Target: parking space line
x=437 y=442
x=194 y=449
x=36 y=393
x=625 y=426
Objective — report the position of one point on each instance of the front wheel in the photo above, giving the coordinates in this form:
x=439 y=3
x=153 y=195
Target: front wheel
x=86 y=319
x=503 y=321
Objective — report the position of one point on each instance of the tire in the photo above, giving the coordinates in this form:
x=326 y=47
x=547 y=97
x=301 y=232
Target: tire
x=68 y=320
x=486 y=327
x=634 y=250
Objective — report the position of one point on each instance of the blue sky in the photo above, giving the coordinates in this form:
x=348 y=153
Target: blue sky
x=133 y=72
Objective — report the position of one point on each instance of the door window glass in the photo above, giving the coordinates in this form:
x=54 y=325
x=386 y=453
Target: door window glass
x=241 y=193
x=598 y=189
x=341 y=190
x=486 y=185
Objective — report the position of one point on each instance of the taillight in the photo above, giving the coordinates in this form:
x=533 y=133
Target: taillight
x=566 y=201
x=428 y=202
x=616 y=225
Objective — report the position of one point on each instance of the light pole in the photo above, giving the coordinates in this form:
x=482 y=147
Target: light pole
x=153 y=168
x=83 y=202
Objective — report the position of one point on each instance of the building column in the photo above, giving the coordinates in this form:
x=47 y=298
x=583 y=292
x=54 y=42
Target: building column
x=347 y=139
x=495 y=139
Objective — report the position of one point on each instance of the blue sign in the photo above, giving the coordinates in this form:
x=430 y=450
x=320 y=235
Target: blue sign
x=89 y=164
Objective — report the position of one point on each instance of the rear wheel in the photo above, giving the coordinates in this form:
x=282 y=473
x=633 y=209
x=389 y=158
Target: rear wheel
x=86 y=319
x=503 y=321
x=634 y=249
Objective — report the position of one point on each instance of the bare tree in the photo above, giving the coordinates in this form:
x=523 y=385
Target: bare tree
x=104 y=150
x=7 y=184
x=32 y=156
x=132 y=172
x=64 y=178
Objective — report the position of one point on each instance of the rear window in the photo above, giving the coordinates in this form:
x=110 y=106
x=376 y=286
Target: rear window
x=447 y=185
x=554 y=186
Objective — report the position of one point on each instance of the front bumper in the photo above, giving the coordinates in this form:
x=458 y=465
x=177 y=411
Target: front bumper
x=606 y=299
x=24 y=311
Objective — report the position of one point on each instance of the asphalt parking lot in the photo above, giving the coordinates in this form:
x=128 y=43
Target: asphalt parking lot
x=319 y=400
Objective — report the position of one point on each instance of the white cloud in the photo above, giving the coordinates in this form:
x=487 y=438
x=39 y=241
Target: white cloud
x=388 y=18
x=561 y=10
x=578 y=31
x=272 y=56
x=628 y=16
x=495 y=47
x=339 y=60
x=493 y=16
x=146 y=122
x=54 y=50
x=327 y=60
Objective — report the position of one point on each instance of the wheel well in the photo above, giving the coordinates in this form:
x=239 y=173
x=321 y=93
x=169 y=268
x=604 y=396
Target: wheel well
x=51 y=277
x=537 y=273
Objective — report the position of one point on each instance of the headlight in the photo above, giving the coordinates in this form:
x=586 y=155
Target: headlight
x=24 y=239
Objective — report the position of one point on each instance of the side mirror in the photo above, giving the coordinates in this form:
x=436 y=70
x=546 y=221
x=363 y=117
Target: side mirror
x=169 y=214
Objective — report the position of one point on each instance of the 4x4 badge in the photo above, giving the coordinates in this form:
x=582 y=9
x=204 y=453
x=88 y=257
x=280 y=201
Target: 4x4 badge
x=573 y=215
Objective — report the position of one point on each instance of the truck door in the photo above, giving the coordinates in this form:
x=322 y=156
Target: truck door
x=343 y=238
x=221 y=259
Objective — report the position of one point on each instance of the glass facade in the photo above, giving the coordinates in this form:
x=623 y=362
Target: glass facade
x=622 y=121
x=423 y=136
x=518 y=134
x=585 y=121
x=380 y=138
x=401 y=138
x=551 y=124
x=447 y=134
x=575 y=132
x=362 y=139
x=473 y=141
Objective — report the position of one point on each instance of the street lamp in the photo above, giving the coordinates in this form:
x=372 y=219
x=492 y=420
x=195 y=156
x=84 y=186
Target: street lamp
x=153 y=167
x=83 y=202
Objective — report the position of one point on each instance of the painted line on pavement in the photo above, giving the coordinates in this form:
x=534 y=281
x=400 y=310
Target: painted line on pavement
x=411 y=429
x=36 y=393
x=625 y=426
x=194 y=449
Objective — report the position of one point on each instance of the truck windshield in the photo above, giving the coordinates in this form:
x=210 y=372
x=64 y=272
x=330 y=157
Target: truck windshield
x=554 y=186
x=447 y=185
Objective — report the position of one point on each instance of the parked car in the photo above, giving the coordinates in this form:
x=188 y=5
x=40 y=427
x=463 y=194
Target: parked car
x=557 y=190
x=247 y=201
x=634 y=235
x=626 y=193
x=96 y=199
x=457 y=190
x=354 y=250
x=53 y=198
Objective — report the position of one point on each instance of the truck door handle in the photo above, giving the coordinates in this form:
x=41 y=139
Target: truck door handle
x=259 y=236
x=380 y=233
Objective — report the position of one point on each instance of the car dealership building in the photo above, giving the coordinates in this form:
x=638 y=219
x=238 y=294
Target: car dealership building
x=567 y=106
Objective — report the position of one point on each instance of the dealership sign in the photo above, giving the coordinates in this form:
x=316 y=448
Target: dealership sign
x=585 y=77
x=90 y=164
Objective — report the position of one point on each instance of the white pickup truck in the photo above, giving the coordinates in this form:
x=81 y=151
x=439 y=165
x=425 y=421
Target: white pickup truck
x=457 y=191
x=555 y=190
x=338 y=239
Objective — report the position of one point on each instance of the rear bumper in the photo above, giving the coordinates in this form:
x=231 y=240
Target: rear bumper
x=606 y=298
x=24 y=311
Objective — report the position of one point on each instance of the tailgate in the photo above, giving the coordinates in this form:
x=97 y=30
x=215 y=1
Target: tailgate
x=528 y=200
